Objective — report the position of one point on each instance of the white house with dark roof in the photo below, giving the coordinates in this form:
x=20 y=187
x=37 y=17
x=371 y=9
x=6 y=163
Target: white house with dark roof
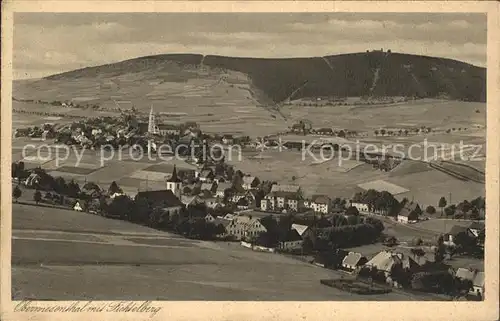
x=250 y=182
x=352 y=261
x=221 y=188
x=281 y=200
x=361 y=207
x=319 y=203
x=291 y=241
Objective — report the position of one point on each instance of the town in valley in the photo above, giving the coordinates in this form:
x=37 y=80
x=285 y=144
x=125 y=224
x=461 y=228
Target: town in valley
x=349 y=176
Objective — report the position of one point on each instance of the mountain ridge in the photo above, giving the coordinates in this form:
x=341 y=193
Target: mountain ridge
x=343 y=75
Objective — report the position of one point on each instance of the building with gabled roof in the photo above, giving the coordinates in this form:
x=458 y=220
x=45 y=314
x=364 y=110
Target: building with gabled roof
x=291 y=241
x=353 y=260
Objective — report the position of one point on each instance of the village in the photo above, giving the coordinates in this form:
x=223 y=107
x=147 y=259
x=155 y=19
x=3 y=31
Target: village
x=216 y=201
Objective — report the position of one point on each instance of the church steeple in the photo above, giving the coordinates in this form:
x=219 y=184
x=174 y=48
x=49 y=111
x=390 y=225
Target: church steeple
x=174 y=178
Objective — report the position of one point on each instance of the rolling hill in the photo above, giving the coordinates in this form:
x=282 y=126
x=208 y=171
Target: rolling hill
x=275 y=80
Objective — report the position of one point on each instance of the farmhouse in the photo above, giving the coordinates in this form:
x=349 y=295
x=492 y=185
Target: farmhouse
x=168 y=129
x=210 y=187
x=291 y=241
x=228 y=139
x=385 y=260
x=325 y=131
x=409 y=213
x=304 y=231
x=221 y=188
x=449 y=238
x=280 y=200
x=362 y=207
x=476 y=228
x=78 y=207
x=213 y=203
x=245 y=226
x=352 y=261
x=476 y=277
x=250 y=182
x=319 y=203
x=206 y=175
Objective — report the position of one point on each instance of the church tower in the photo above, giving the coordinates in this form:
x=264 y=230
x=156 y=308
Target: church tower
x=174 y=184
x=152 y=129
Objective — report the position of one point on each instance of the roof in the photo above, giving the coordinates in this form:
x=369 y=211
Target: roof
x=321 y=199
x=221 y=187
x=187 y=200
x=285 y=188
x=477 y=226
x=174 y=178
x=206 y=172
x=300 y=228
x=292 y=195
x=207 y=186
x=160 y=196
x=221 y=221
x=352 y=258
x=325 y=130
x=408 y=209
x=478 y=279
x=248 y=179
x=167 y=126
x=292 y=235
x=456 y=229
x=386 y=259
x=465 y=274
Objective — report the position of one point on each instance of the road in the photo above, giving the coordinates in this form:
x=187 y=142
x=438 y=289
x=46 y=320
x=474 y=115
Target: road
x=65 y=255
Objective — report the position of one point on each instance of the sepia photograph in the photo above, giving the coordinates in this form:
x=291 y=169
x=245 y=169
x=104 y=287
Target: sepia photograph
x=248 y=156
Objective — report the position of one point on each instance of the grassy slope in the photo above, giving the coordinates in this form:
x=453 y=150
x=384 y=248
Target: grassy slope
x=343 y=75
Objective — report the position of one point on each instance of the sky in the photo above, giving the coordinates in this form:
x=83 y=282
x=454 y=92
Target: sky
x=50 y=43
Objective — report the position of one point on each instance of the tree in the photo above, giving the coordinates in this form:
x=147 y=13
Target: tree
x=37 y=196
x=16 y=193
x=382 y=132
x=440 y=250
x=430 y=209
x=442 y=204
x=352 y=211
x=341 y=134
x=376 y=132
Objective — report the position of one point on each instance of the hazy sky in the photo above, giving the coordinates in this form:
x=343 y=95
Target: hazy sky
x=48 y=43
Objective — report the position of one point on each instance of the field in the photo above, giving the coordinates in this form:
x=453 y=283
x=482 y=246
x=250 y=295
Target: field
x=53 y=250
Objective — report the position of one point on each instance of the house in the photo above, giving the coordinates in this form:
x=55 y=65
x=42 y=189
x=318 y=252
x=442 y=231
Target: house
x=92 y=190
x=362 y=207
x=210 y=187
x=452 y=234
x=78 y=207
x=209 y=218
x=478 y=284
x=32 y=180
x=319 y=203
x=250 y=182
x=304 y=231
x=221 y=188
x=476 y=277
x=280 y=200
x=409 y=213
x=325 y=131
x=213 y=203
x=476 y=228
x=385 y=260
x=291 y=241
x=222 y=222
x=227 y=139
x=352 y=261
x=191 y=200
x=297 y=128
x=242 y=227
x=168 y=129
x=206 y=175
